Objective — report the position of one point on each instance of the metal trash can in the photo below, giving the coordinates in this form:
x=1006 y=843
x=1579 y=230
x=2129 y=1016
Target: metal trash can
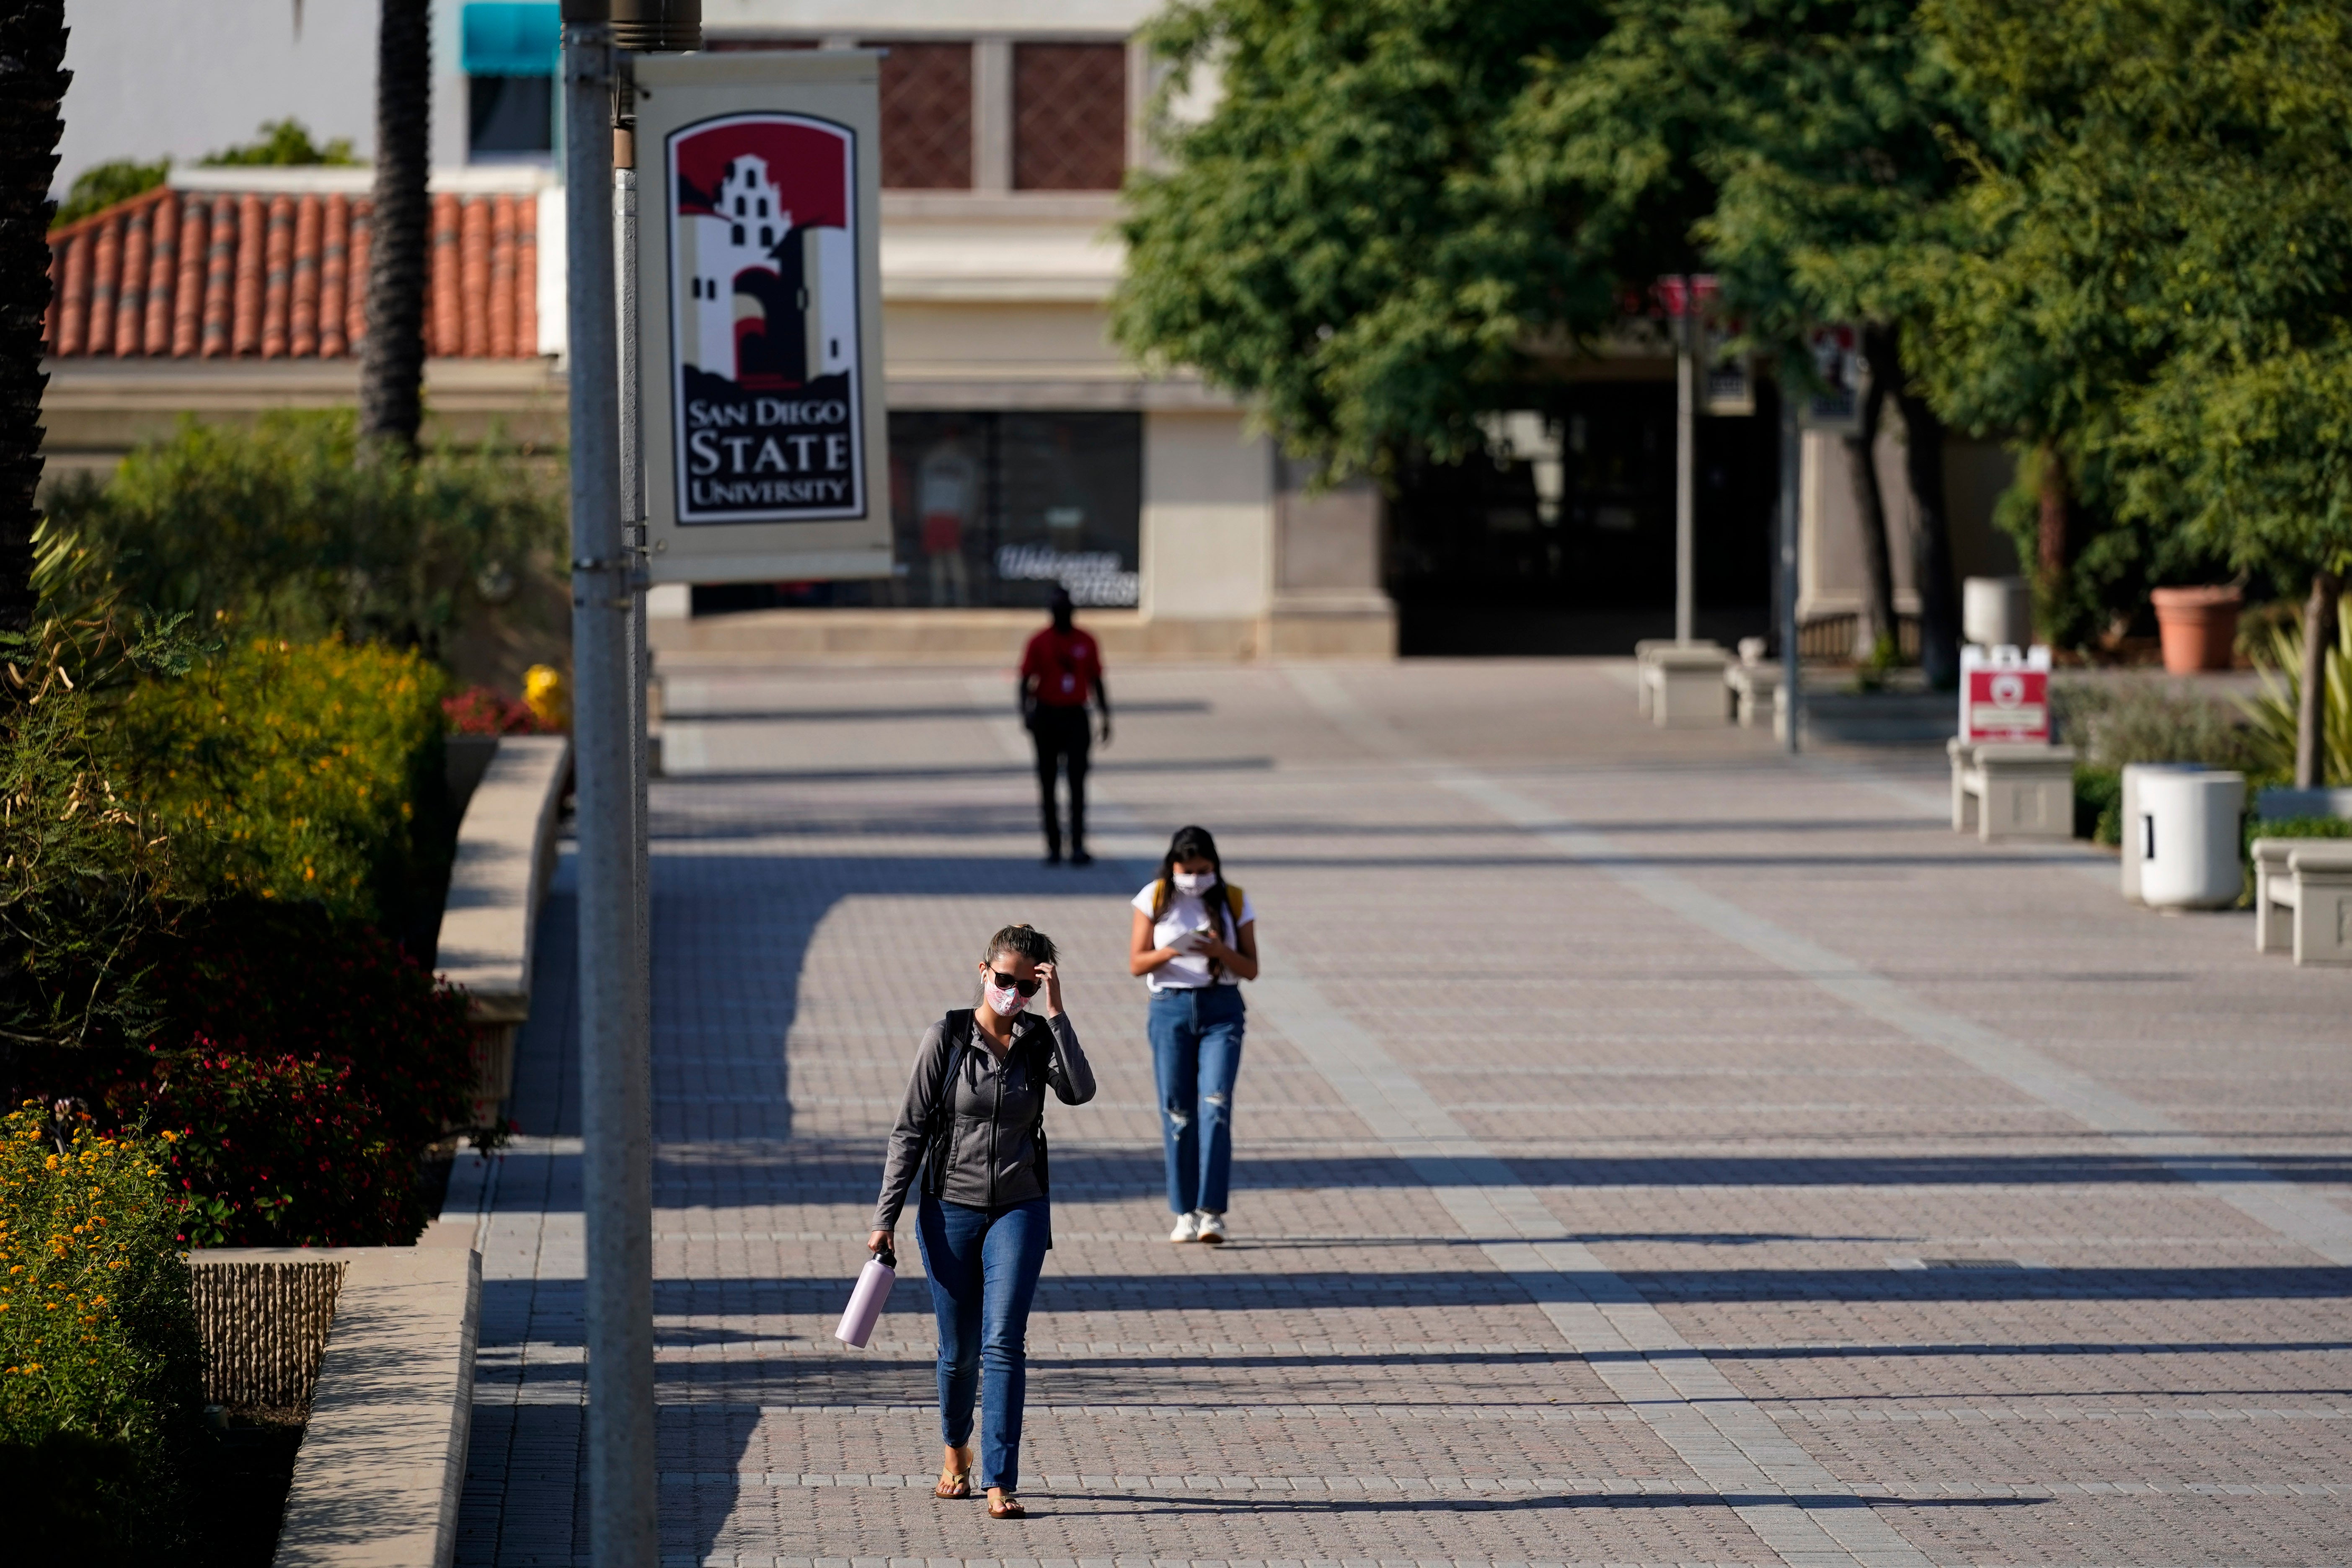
x=1995 y=611
x=2129 y=818
x=2189 y=826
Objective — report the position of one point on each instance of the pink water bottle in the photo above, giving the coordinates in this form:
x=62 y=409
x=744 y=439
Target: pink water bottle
x=874 y=1282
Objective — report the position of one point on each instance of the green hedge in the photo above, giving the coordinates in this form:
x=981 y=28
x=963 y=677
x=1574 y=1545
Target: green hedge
x=299 y=773
x=99 y=1392
x=287 y=531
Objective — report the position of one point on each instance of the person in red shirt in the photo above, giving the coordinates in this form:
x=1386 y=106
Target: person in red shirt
x=1060 y=670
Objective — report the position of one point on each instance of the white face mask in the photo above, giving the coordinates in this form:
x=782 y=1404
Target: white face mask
x=1007 y=1002
x=1192 y=884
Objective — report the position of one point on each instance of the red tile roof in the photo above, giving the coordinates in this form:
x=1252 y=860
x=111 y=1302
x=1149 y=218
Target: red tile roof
x=195 y=274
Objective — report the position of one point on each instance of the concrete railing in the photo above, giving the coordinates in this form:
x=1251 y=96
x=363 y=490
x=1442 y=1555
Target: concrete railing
x=379 y=1341
x=505 y=857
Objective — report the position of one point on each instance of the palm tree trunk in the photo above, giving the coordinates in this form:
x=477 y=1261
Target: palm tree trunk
x=392 y=363
x=1932 y=572
x=2311 y=707
x=1932 y=576
x=1875 y=626
x=32 y=87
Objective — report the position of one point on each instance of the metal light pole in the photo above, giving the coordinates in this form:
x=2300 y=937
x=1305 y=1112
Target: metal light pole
x=1791 y=455
x=1685 y=464
x=616 y=1104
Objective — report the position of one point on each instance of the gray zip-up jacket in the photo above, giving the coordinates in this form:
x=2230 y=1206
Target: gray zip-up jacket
x=991 y=1151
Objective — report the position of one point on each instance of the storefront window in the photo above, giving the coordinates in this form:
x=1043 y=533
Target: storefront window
x=992 y=511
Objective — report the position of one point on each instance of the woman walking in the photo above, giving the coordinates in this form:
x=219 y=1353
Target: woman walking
x=974 y=1125
x=1195 y=941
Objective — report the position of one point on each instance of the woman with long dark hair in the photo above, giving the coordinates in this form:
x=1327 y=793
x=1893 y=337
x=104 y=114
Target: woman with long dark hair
x=1194 y=940
x=973 y=1124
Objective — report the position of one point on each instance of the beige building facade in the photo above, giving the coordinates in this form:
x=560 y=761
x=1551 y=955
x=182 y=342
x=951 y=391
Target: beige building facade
x=1026 y=449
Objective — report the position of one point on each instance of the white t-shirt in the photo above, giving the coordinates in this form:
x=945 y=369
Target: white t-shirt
x=1186 y=912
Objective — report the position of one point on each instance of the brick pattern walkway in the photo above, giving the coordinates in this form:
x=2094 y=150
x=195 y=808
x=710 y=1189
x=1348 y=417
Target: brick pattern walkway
x=1650 y=1152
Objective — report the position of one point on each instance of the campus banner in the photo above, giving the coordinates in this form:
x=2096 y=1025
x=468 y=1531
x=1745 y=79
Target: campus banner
x=759 y=319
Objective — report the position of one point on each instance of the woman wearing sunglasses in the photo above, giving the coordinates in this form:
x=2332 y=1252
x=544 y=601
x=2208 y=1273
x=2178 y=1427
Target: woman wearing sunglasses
x=1195 y=938
x=973 y=1124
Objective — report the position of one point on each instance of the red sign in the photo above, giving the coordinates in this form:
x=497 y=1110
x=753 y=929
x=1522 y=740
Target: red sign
x=2007 y=705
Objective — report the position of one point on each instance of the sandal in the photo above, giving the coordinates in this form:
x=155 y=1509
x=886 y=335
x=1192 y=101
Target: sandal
x=1006 y=1507
x=953 y=1484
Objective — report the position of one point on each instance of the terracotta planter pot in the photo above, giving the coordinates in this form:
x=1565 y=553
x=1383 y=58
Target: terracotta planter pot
x=2199 y=628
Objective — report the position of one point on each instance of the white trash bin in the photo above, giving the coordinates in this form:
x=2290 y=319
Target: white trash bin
x=2189 y=826
x=2129 y=818
x=1996 y=610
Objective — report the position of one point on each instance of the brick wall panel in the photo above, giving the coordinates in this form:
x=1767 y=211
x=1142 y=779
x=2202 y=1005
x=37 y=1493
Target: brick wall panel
x=925 y=93
x=1069 y=116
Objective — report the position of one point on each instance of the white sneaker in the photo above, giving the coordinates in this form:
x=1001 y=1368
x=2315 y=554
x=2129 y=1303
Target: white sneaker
x=1188 y=1228
x=1212 y=1229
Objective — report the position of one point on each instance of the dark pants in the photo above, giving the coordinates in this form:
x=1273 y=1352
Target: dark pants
x=1061 y=735
x=984 y=1266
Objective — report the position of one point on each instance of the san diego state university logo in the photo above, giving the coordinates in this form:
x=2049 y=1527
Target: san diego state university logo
x=763 y=311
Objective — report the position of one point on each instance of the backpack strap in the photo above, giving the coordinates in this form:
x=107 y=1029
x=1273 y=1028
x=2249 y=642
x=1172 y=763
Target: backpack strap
x=955 y=1035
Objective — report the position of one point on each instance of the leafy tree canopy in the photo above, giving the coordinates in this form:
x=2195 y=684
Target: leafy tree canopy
x=1398 y=214
x=281 y=143
x=1329 y=242
x=2152 y=260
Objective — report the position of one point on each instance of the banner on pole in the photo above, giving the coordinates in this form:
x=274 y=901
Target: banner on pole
x=760 y=323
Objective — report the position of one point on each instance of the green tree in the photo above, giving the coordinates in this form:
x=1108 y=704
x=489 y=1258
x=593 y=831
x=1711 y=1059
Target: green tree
x=101 y=186
x=2151 y=268
x=1398 y=215
x=283 y=144
x=1794 y=149
x=1328 y=243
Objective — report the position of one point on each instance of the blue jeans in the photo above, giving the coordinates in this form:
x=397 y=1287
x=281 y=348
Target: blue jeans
x=984 y=1266
x=1196 y=1053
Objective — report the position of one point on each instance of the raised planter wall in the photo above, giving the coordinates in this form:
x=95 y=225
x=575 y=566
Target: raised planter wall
x=378 y=1342
x=505 y=857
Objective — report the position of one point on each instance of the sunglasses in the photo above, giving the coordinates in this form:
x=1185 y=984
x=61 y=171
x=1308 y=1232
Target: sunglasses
x=1004 y=982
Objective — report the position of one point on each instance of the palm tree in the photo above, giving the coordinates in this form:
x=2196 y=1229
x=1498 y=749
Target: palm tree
x=32 y=88
x=392 y=361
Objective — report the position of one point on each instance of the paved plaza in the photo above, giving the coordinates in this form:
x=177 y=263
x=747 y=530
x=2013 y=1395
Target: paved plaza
x=1650 y=1150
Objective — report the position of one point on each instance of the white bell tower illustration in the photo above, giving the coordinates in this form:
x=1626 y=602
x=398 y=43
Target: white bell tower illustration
x=715 y=248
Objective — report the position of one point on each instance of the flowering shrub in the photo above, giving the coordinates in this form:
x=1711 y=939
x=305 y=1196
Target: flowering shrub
x=480 y=711
x=98 y=1364
x=306 y=772
x=300 y=1093
x=275 y=1151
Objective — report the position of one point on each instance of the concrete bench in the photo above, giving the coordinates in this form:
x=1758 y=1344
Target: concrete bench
x=505 y=857
x=1756 y=695
x=2303 y=898
x=1684 y=687
x=378 y=1343
x=2001 y=791
x=1645 y=650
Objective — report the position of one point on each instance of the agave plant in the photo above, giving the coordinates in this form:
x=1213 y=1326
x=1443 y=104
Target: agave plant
x=2273 y=710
